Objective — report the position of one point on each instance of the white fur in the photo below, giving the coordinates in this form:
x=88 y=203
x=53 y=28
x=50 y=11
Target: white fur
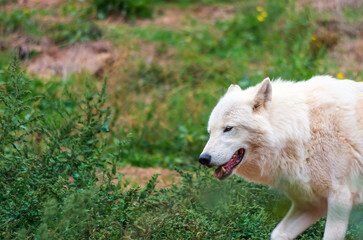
x=303 y=138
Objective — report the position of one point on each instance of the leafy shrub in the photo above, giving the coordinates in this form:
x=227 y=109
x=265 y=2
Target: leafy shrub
x=40 y=154
x=37 y=156
x=102 y=212
x=129 y=9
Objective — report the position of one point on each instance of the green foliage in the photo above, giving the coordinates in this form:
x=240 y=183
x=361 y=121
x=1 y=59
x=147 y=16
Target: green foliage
x=129 y=9
x=101 y=212
x=204 y=208
x=17 y=20
x=50 y=166
x=70 y=33
x=53 y=152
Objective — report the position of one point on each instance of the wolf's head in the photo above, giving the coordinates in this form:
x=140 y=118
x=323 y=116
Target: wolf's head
x=237 y=125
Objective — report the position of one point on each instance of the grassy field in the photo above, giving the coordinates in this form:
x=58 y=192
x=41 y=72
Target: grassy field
x=166 y=63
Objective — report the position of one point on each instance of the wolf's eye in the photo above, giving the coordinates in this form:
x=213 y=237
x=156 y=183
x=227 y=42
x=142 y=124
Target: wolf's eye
x=227 y=129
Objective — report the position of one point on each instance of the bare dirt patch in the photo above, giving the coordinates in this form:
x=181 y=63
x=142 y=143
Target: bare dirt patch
x=91 y=57
x=135 y=176
x=38 y=3
x=141 y=176
x=349 y=54
x=323 y=5
x=175 y=18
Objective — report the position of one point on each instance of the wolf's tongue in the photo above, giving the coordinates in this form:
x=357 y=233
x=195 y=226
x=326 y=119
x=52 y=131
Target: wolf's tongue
x=218 y=173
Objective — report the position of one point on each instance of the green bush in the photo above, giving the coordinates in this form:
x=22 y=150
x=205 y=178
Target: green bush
x=129 y=9
x=38 y=156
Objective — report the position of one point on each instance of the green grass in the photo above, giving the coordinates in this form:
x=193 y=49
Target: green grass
x=161 y=90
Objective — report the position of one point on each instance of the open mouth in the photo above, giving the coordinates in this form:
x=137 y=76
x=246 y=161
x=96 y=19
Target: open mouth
x=225 y=170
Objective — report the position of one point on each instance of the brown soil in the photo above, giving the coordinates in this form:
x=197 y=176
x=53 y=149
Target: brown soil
x=135 y=176
x=323 y=5
x=141 y=176
x=347 y=54
x=175 y=18
x=91 y=57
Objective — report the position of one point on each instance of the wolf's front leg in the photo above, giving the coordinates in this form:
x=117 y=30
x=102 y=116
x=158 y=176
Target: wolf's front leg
x=339 y=207
x=299 y=218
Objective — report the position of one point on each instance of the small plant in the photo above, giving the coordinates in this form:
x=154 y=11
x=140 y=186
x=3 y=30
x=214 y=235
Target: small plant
x=129 y=9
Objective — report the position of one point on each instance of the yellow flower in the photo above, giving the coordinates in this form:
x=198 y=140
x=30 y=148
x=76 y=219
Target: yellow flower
x=26 y=11
x=264 y=14
x=313 y=38
x=259 y=9
x=340 y=75
x=260 y=18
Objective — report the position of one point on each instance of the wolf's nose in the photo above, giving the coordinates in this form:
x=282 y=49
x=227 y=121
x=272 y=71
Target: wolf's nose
x=204 y=159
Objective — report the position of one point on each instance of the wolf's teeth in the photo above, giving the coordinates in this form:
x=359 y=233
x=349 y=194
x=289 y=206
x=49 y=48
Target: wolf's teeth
x=223 y=170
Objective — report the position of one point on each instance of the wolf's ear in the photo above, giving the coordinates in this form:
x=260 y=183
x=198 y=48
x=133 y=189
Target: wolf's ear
x=233 y=88
x=263 y=96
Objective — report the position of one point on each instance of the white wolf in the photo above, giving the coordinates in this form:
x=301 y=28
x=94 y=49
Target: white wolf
x=305 y=139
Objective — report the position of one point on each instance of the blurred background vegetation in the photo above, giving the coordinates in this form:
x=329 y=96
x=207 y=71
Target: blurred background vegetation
x=74 y=151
